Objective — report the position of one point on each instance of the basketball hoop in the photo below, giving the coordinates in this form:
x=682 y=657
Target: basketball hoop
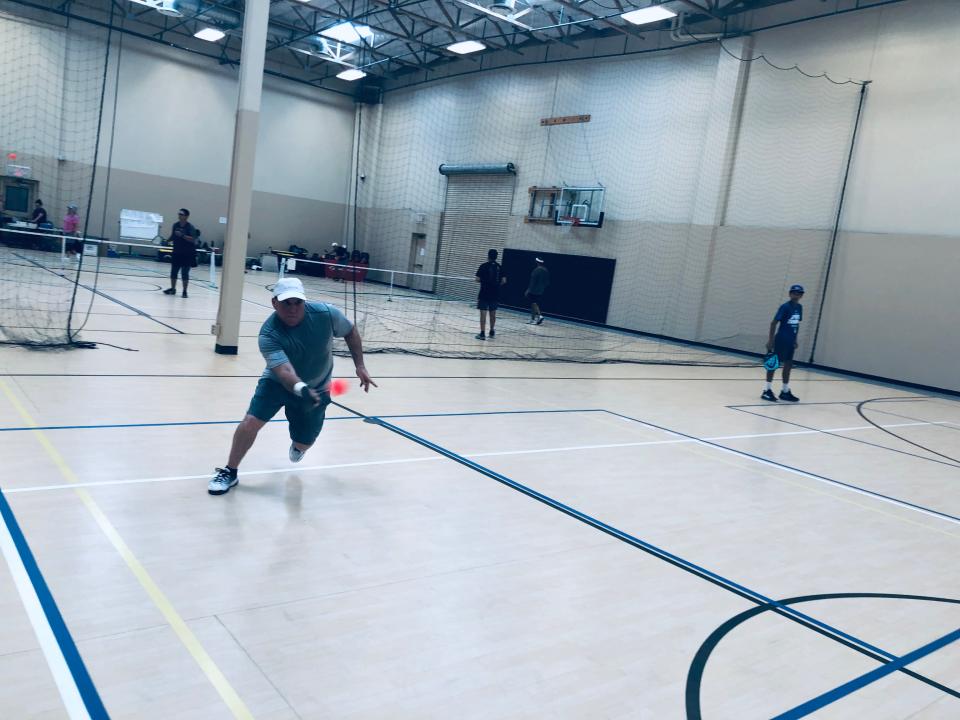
x=569 y=220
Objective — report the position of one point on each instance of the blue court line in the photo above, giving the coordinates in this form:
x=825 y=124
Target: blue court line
x=848 y=688
x=234 y=422
x=88 y=692
x=743 y=453
x=730 y=585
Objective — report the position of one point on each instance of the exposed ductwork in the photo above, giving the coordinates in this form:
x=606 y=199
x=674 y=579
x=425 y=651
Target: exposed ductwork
x=679 y=33
x=224 y=17
x=506 y=7
x=478 y=169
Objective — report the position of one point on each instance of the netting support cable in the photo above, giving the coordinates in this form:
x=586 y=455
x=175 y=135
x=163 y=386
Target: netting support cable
x=93 y=170
x=726 y=178
x=356 y=202
x=836 y=222
x=106 y=187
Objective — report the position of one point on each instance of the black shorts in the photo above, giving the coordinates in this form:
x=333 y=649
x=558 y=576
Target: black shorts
x=180 y=265
x=487 y=303
x=306 y=421
x=784 y=350
x=534 y=298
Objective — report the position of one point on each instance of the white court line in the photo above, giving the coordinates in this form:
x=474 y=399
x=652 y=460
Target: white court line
x=709 y=443
x=434 y=458
x=62 y=676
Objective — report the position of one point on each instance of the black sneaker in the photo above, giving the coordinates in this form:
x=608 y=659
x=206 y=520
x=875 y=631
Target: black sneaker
x=221 y=482
x=480 y=336
x=540 y=320
x=768 y=395
x=170 y=291
x=492 y=334
x=184 y=294
x=788 y=396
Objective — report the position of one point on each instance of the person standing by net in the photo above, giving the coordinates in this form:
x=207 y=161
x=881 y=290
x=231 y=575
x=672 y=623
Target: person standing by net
x=296 y=342
x=184 y=239
x=490 y=276
x=71 y=222
x=539 y=280
x=784 y=342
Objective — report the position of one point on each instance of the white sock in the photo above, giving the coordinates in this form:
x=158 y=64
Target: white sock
x=786 y=388
x=768 y=386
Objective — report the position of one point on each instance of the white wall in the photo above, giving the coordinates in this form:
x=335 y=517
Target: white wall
x=170 y=140
x=899 y=253
x=653 y=142
x=661 y=141
x=176 y=114
x=904 y=178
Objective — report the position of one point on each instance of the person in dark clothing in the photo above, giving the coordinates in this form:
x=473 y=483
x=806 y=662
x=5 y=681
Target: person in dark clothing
x=490 y=276
x=539 y=280
x=39 y=214
x=184 y=239
x=784 y=330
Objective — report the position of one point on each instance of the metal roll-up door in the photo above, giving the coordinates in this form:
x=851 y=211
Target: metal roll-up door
x=476 y=217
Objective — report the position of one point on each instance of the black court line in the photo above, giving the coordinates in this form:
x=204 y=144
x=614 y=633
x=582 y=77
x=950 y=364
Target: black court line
x=807 y=473
x=115 y=426
x=802 y=619
x=104 y=295
x=137 y=310
x=699 y=663
x=905 y=398
x=860 y=412
x=849 y=438
x=576 y=378
x=955 y=427
x=858 y=683
x=136 y=332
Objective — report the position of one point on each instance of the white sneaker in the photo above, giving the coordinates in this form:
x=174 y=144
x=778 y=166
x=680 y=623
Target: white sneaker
x=221 y=482
x=296 y=455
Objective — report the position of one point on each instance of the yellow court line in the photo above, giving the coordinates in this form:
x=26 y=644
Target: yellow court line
x=179 y=626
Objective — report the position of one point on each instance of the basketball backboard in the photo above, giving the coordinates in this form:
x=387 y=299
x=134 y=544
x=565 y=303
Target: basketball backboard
x=580 y=206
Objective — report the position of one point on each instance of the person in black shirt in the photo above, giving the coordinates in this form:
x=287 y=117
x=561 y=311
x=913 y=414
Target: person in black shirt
x=184 y=239
x=490 y=276
x=39 y=214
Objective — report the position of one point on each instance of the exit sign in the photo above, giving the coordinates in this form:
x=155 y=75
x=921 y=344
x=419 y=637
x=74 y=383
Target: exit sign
x=18 y=171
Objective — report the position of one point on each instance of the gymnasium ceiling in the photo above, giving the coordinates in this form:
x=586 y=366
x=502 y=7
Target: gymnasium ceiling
x=398 y=43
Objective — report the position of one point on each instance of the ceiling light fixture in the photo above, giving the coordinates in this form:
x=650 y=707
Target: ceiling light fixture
x=351 y=74
x=465 y=47
x=646 y=15
x=210 y=34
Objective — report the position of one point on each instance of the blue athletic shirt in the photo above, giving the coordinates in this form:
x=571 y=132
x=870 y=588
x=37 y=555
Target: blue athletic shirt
x=789 y=315
x=308 y=346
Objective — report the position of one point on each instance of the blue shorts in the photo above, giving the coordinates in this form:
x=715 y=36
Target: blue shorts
x=487 y=303
x=306 y=421
x=784 y=349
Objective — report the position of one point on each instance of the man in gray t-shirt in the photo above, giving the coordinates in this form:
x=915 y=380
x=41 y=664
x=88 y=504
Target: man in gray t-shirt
x=297 y=344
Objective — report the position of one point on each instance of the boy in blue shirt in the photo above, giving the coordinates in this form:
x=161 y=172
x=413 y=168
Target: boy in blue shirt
x=783 y=340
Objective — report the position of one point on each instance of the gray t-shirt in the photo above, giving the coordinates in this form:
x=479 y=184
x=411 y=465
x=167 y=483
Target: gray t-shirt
x=308 y=346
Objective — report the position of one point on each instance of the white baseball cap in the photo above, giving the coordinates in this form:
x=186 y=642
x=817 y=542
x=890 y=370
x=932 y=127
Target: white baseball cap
x=288 y=288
